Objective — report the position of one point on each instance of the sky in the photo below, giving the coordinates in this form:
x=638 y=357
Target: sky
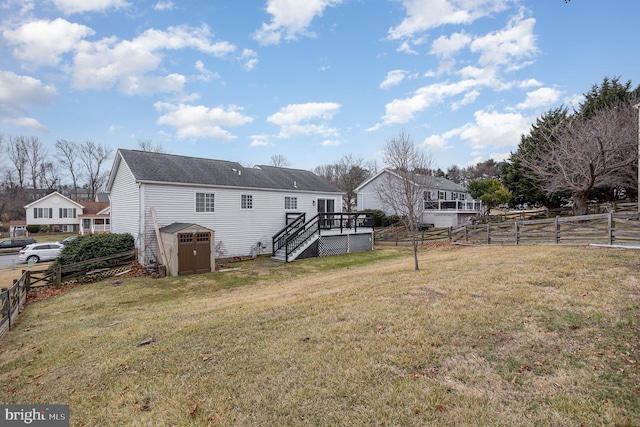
x=310 y=80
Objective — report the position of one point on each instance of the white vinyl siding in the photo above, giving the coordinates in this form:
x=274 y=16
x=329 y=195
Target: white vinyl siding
x=236 y=230
x=125 y=203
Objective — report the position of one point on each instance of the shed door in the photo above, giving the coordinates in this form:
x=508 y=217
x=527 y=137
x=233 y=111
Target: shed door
x=194 y=253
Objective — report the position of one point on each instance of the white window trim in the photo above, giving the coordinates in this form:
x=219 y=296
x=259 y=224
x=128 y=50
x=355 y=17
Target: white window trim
x=290 y=208
x=195 y=203
x=249 y=198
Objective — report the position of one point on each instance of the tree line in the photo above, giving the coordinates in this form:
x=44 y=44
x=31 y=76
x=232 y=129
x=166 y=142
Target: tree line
x=29 y=171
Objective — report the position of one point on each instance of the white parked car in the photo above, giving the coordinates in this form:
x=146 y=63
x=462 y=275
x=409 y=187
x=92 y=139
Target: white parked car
x=37 y=252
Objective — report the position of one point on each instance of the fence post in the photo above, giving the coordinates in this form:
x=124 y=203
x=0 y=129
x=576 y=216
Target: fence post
x=488 y=233
x=7 y=310
x=611 y=227
x=517 y=236
x=557 y=226
x=466 y=234
x=57 y=281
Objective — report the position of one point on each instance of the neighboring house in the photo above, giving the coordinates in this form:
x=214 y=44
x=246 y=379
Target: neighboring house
x=445 y=203
x=60 y=213
x=244 y=208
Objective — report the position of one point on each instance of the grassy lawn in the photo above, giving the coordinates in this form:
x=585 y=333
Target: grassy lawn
x=503 y=336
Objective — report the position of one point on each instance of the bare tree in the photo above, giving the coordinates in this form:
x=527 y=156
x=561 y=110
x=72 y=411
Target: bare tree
x=279 y=161
x=36 y=155
x=399 y=189
x=584 y=153
x=48 y=177
x=17 y=152
x=93 y=157
x=346 y=174
x=148 y=145
x=67 y=155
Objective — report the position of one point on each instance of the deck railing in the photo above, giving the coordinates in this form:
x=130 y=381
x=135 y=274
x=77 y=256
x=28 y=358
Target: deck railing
x=297 y=232
x=457 y=205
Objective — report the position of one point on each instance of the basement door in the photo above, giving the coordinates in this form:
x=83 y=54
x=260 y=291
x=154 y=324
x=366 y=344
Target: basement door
x=194 y=253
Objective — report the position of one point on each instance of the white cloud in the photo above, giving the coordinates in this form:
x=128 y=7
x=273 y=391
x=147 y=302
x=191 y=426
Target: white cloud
x=525 y=84
x=17 y=94
x=260 y=141
x=331 y=143
x=250 y=58
x=508 y=46
x=493 y=129
x=574 y=101
x=446 y=47
x=79 y=6
x=293 y=119
x=289 y=19
x=423 y=15
x=468 y=98
x=403 y=110
x=24 y=122
x=393 y=78
x=205 y=75
x=42 y=42
x=198 y=121
x=107 y=62
x=405 y=47
x=163 y=5
x=540 y=98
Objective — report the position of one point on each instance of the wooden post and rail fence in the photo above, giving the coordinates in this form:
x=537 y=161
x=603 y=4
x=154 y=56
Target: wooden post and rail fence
x=619 y=228
x=12 y=299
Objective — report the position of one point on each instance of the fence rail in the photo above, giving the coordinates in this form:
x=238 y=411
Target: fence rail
x=12 y=299
x=607 y=229
x=620 y=228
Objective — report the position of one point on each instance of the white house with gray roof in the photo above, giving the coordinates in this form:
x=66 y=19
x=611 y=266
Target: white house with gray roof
x=445 y=203
x=245 y=207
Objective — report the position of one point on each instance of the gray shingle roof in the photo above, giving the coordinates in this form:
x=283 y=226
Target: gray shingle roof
x=159 y=167
x=439 y=183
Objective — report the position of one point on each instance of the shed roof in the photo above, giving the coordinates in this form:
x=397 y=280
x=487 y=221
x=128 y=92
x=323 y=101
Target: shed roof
x=179 y=226
x=160 y=167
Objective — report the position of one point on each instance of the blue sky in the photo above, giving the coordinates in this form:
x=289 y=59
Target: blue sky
x=312 y=80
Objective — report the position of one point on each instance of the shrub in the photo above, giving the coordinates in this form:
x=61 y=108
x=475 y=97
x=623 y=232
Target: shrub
x=32 y=228
x=92 y=246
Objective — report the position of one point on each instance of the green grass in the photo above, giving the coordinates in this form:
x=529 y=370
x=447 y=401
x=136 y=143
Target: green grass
x=531 y=336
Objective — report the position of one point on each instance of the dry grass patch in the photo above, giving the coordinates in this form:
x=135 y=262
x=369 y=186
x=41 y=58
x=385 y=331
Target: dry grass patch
x=483 y=335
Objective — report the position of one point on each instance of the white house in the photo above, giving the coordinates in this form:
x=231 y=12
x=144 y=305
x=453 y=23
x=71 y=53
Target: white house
x=244 y=207
x=60 y=213
x=445 y=203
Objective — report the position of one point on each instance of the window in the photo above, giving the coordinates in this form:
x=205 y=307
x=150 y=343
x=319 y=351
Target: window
x=67 y=212
x=442 y=195
x=43 y=212
x=246 y=201
x=290 y=202
x=204 y=202
x=463 y=196
x=454 y=195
